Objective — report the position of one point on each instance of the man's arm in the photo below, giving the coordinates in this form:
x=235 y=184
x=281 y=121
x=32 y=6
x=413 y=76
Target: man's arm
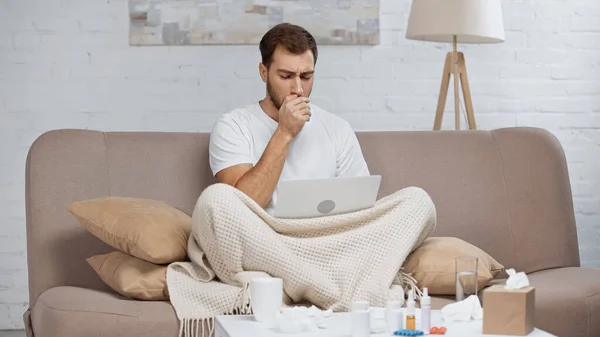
x=233 y=162
x=259 y=182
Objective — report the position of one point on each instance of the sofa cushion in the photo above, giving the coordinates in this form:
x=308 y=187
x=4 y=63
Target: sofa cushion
x=567 y=301
x=72 y=311
x=433 y=265
x=147 y=229
x=131 y=277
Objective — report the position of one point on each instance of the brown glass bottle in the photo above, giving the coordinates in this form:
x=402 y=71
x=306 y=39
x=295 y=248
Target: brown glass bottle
x=410 y=311
x=410 y=323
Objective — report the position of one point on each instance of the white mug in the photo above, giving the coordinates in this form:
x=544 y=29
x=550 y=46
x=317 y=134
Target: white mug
x=266 y=299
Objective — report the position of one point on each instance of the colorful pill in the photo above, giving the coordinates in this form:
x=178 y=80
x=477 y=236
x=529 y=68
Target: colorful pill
x=406 y=332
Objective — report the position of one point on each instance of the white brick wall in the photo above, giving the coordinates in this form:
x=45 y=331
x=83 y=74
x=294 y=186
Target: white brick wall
x=67 y=63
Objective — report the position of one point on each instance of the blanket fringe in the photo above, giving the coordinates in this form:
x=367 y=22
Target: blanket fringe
x=197 y=327
x=408 y=282
x=241 y=306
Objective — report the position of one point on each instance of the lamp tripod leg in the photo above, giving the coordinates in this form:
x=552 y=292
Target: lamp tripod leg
x=439 y=115
x=461 y=69
x=455 y=72
x=466 y=92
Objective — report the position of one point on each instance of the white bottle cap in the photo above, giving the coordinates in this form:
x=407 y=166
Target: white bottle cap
x=360 y=305
x=425 y=299
x=410 y=305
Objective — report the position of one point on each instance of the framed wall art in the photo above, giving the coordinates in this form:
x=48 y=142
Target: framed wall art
x=214 y=22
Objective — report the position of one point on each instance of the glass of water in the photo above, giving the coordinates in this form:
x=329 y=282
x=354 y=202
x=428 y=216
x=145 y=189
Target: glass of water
x=466 y=277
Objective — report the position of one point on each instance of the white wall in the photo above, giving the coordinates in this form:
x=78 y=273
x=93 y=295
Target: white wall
x=67 y=64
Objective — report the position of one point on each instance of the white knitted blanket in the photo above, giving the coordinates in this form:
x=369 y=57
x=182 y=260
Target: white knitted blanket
x=327 y=261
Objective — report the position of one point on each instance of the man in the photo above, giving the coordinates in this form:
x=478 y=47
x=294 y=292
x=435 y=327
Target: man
x=329 y=262
x=283 y=136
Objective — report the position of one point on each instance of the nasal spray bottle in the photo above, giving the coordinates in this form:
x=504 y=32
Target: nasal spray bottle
x=425 y=311
x=410 y=311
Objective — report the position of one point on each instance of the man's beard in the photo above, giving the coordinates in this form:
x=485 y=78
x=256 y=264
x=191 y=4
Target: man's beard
x=276 y=101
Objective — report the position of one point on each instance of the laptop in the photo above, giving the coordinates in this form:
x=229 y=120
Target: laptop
x=319 y=197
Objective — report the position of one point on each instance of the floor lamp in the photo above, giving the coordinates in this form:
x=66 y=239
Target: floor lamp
x=455 y=21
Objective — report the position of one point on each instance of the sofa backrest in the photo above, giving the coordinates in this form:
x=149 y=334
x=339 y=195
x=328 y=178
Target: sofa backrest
x=506 y=191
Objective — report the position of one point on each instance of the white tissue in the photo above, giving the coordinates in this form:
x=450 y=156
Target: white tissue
x=516 y=280
x=301 y=319
x=464 y=310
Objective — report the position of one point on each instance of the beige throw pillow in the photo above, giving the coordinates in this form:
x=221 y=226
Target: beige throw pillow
x=147 y=229
x=433 y=264
x=131 y=277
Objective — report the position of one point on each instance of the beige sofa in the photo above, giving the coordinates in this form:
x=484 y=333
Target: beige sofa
x=506 y=191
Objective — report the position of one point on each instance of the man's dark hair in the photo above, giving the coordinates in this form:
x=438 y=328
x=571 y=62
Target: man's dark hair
x=295 y=39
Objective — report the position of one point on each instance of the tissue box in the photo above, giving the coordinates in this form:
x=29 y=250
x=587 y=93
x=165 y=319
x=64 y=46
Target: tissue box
x=508 y=312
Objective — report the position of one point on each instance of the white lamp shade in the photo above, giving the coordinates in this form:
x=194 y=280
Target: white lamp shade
x=472 y=21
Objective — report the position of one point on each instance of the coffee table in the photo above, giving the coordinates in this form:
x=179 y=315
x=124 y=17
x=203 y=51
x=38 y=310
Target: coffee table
x=338 y=325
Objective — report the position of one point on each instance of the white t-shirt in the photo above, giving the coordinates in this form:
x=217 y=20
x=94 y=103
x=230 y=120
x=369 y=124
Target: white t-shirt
x=326 y=146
